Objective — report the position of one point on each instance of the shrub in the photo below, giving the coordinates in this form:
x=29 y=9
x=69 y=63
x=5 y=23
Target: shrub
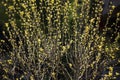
x=52 y=40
